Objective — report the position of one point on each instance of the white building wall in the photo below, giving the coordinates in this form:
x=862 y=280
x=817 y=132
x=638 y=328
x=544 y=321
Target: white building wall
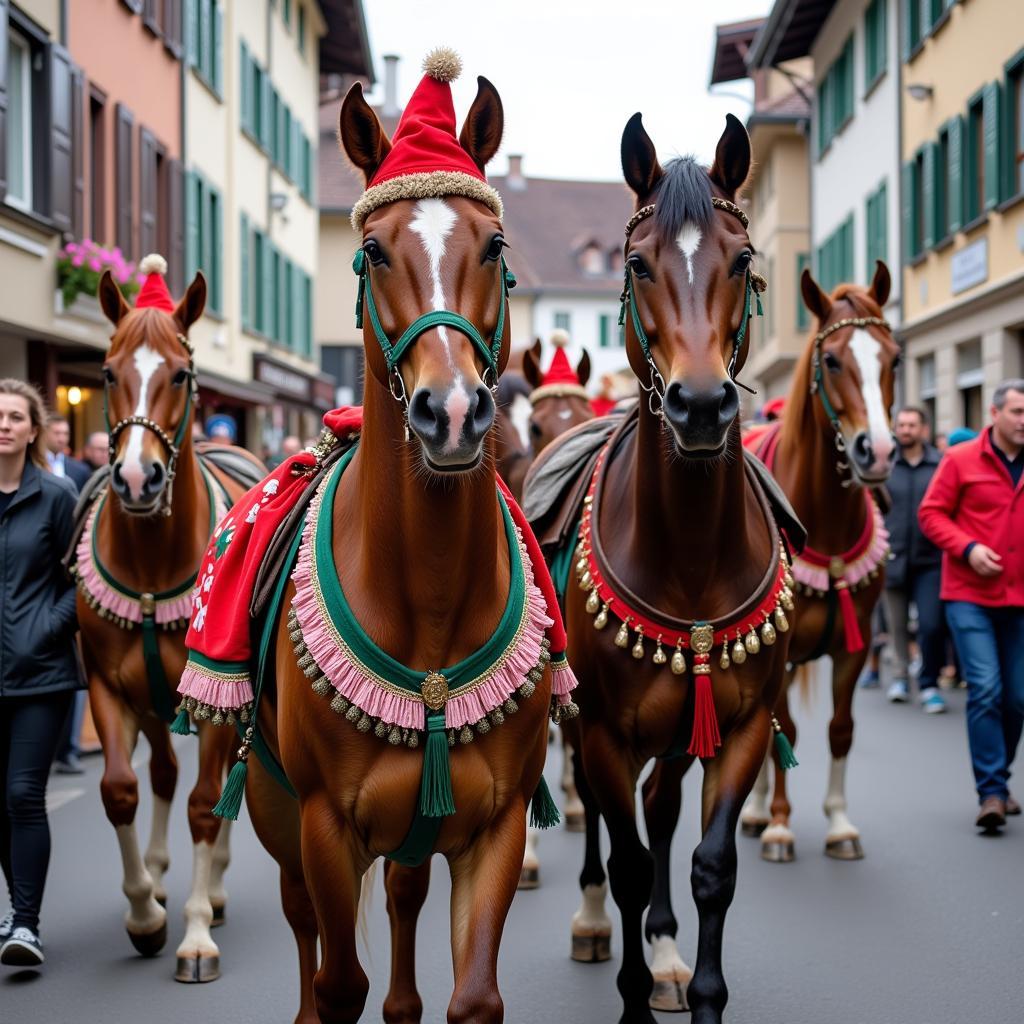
x=584 y=329
x=866 y=151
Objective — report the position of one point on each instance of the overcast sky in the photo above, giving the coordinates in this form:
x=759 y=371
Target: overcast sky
x=572 y=72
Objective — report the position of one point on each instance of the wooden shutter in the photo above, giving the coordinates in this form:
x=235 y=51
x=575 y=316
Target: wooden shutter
x=907 y=11
x=288 y=274
x=123 y=183
x=215 y=202
x=175 y=227
x=62 y=190
x=266 y=278
x=265 y=111
x=929 y=168
x=135 y=6
x=954 y=174
x=307 y=313
x=282 y=301
x=151 y=16
x=881 y=227
x=803 y=260
x=78 y=152
x=4 y=11
x=296 y=309
x=217 y=70
x=191 y=224
x=245 y=81
x=191 y=32
x=173 y=32
x=993 y=164
x=147 y=192
x=245 y=242
x=205 y=38
x=907 y=208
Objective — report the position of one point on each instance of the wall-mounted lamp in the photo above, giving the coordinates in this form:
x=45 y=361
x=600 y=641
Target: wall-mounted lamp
x=278 y=201
x=918 y=91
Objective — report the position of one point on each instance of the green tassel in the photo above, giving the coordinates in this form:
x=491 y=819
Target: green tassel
x=230 y=802
x=757 y=299
x=787 y=759
x=436 y=799
x=543 y=810
x=182 y=724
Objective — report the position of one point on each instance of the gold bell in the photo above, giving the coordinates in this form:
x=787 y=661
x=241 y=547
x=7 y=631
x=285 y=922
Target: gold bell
x=622 y=637
x=781 y=622
x=586 y=582
x=660 y=657
x=752 y=644
x=581 y=565
x=678 y=661
x=593 y=602
x=739 y=652
x=638 y=647
x=786 y=600
x=601 y=620
x=723 y=661
x=787 y=578
x=768 y=634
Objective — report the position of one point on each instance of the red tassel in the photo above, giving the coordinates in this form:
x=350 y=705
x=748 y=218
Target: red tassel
x=851 y=627
x=706 y=736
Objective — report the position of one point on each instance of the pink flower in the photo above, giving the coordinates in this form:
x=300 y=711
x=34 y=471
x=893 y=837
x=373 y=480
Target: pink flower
x=95 y=264
x=121 y=274
x=78 y=259
x=140 y=278
x=71 y=249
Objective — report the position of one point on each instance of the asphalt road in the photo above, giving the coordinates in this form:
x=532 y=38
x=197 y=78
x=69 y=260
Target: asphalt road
x=928 y=929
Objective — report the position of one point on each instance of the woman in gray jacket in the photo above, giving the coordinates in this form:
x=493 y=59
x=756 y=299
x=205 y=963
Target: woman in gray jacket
x=38 y=671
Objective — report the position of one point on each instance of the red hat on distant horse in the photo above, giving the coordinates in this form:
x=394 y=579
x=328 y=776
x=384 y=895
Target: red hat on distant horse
x=426 y=159
x=154 y=292
x=561 y=378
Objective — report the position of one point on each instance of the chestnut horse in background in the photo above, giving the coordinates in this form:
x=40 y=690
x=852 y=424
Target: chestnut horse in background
x=687 y=532
x=153 y=521
x=834 y=443
x=422 y=556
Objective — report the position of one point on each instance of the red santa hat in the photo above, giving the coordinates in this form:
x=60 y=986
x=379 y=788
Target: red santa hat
x=426 y=158
x=561 y=379
x=154 y=292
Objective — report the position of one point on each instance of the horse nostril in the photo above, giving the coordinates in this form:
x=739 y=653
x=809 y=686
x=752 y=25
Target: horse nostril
x=154 y=478
x=426 y=415
x=481 y=412
x=676 y=405
x=730 y=404
x=116 y=480
x=863 y=450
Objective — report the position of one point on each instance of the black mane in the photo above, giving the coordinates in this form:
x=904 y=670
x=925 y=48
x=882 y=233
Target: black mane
x=683 y=196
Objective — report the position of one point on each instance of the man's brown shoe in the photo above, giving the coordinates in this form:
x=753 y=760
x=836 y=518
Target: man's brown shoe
x=1012 y=805
x=992 y=814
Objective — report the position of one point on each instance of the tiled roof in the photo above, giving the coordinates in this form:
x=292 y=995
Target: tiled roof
x=790 y=105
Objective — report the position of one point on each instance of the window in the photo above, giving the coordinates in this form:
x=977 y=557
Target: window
x=204 y=237
x=835 y=97
x=927 y=389
x=19 y=121
x=875 y=42
x=301 y=30
x=562 y=321
x=941 y=197
x=245 y=239
x=1014 y=147
x=835 y=256
x=803 y=320
x=592 y=260
x=607 y=332
x=97 y=168
x=204 y=28
x=286 y=13
x=913 y=35
x=975 y=160
x=876 y=229
x=970 y=378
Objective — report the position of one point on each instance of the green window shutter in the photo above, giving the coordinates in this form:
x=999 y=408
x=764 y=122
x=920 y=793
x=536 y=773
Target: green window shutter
x=245 y=81
x=907 y=205
x=908 y=10
x=928 y=183
x=870 y=208
x=603 y=330
x=307 y=312
x=266 y=297
x=217 y=247
x=191 y=225
x=288 y=303
x=954 y=175
x=204 y=38
x=803 y=260
x=848 y=271
x=881 y=227
x=824 y=114
x=217 y=79
x=265 y=111
x=924 y=18
x=192 y=31
x=246 y=271
x=993 y=169
x=849 y=70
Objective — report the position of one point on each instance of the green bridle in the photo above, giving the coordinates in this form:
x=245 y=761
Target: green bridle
x=754 y=285
x=393 y=351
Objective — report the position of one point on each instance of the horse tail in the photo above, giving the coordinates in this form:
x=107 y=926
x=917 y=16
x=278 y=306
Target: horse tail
x=365 y=902
x=804 y=680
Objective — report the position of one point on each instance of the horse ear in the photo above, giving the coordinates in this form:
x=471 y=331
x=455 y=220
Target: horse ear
x=639 y=160
x=364 y=140
x=732 y=157
x=111 y=300
x=814 y=298
x=481 y=134
x=191 y=307
x=583 y=368
x=881 y=283
x=531 y=366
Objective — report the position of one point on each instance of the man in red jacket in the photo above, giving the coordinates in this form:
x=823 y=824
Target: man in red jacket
x=974 y=511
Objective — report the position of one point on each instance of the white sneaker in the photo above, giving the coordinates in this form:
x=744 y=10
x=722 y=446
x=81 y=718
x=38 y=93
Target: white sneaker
x=22 y=949
x=898 y=692
x=6 y=926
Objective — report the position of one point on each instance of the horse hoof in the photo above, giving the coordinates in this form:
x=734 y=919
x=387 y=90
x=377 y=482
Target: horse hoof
x=669 y=996
x=753 y=829
x=529 y=878
x=219 y=916
x=844 y=849
x=195 y=970
x=591 y=949
x=162 y=900
x=575 y=822
x=778 y=851
x=151 y=943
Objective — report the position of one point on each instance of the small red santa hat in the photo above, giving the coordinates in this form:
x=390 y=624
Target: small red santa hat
x=426 y=158
x=560 y=379
x=154 y=292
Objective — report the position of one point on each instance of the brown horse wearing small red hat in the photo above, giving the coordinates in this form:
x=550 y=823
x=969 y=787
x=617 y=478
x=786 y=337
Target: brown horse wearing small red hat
x=682 y=575
x=141 y=534
x=833 y=445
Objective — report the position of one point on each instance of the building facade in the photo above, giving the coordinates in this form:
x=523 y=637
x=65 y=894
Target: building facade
x=963 y=205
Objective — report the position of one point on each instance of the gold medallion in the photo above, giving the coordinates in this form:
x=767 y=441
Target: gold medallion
x=836 y=567
x=702 y=639
x=147 y=604
x=435 y=691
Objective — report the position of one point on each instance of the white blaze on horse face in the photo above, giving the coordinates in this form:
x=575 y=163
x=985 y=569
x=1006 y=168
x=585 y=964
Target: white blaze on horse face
x=688 y=240
x=868 y=353
x=147 y=362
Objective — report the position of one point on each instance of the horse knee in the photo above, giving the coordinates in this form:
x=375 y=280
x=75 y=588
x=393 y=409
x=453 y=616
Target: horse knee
x=406 y=889
x=120 y=796
x=713 y=878
x=203 y=823
x=840 y=738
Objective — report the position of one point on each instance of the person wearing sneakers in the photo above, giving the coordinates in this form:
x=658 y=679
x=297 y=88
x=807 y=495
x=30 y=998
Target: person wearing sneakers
x=974 y=511
x=38 y=671
x=913 y=570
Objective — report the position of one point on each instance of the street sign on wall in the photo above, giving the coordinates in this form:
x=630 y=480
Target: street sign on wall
x=969 y=266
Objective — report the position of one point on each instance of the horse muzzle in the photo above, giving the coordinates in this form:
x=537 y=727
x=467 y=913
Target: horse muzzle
x=451 y=425
x=139 y=487
x=700 y=417
x=871 y=458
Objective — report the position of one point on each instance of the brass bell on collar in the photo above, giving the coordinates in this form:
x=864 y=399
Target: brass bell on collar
x=581 y=565
x=660 y=657
x=752 y=644
x=723 y=661
x=638 y=647
x=586 y=582
x=593 y=602
x=739 y=652
x=786 y=600
x=768 y=634
x=622 y=637
x=678 y=661
x=781 y=622
x=601 y=619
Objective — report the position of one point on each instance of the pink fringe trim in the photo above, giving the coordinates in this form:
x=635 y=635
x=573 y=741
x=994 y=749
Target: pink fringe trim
x=218 y=693
x=817 y=577
x=563 y=682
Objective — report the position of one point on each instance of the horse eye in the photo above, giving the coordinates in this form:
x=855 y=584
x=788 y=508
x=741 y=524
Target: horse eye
x=179 y=378
x=494 y=249
x=108 y=376
x=373 y=251
x=833 y=364
x=743 y=263
x=637 y=265
x=535 y=429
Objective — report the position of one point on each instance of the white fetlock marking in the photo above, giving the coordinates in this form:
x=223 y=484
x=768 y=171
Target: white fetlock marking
x=574 y=805
x=221 y=860
x=144 y=915
x=591 y=918
x=568 y=778
x=757 y=810
x=666 y=963
x=157 y=856
x=839 y=825
x=198 y=911
x=777 y=834
x=530 y=860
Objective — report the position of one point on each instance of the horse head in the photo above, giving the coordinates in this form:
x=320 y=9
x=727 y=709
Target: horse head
x=852 y=370
x=148 y=392
x=689 y=285
x=435 y=290
x=556 y=407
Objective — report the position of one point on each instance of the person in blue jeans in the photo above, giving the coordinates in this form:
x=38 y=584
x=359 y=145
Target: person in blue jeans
x=974 y=511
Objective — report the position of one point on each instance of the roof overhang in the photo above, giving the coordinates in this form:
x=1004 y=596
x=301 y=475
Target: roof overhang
x=732 y=45
x=789 y=31
x=345 y=46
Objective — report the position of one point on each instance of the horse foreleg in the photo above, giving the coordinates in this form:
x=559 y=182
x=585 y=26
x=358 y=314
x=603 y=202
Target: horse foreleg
x=756 y=813
x=406 y=890
x=198 y=955
x=221 y=860
x=146 y=920
x=574 y=821
x=163 y=778
x=778 y=844
x=663 y=798
x=484 y=880
x=842 y=840
x=591 y=925
x=727 y=781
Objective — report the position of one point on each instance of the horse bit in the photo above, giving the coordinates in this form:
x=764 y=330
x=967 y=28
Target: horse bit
x=818 y=385
x=393 y=352
x=755 y=284
x=173 y=445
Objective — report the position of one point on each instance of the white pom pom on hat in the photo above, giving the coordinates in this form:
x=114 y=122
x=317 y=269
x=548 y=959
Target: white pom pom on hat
x=560 y=337
x=442 y=64
x=154 y=263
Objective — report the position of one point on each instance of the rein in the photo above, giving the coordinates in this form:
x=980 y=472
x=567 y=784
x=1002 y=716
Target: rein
x=754 y=286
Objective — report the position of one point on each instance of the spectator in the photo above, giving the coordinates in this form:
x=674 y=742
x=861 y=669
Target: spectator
x=604 y=401
x=290 y=446
x=95 y=452
x=913 y=571
x=38 y=670
x=960 y=435
x=58 y=437
x=974 y=511
x=941 y=443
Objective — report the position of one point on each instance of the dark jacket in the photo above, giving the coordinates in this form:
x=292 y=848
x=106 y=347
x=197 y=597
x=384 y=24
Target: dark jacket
x=911 y=551
x=37 y=599
x=77 y=472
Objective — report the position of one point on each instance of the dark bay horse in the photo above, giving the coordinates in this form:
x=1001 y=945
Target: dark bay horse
x=424 y=560
x=834 y=443
x=137 y=561
x=680 y=565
